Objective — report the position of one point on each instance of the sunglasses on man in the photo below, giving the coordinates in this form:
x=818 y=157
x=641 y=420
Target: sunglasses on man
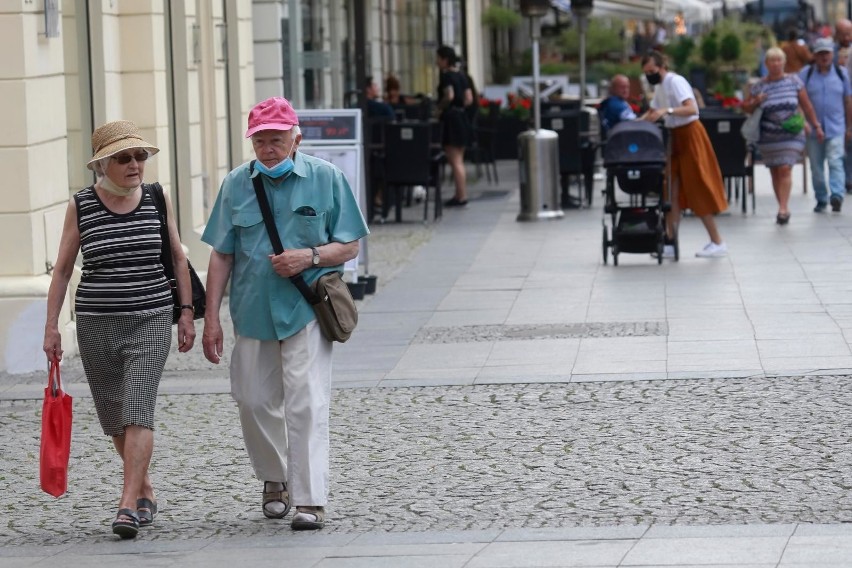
x=124 y=159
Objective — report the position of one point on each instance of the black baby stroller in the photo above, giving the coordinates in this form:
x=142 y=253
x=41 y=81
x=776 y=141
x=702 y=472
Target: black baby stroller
x=635 y=157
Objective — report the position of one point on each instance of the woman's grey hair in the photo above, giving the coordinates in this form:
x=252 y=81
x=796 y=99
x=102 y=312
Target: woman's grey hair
x=100 y=166
x=775 y=53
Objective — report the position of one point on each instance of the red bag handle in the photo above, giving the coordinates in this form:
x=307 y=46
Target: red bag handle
x=54 y=381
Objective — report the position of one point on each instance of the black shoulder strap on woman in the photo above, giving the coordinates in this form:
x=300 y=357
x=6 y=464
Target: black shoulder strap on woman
x=297 y=280
x=155 y=190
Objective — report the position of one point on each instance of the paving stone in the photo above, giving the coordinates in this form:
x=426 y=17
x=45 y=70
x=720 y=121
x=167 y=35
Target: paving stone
x=532 y=456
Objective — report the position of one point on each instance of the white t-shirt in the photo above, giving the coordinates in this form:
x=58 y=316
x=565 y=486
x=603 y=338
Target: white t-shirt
x=671 y=93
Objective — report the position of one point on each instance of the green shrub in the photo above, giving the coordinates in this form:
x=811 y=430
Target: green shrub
x=600 y=41
x=709 y=49
x=500 y=18
x=729 y=48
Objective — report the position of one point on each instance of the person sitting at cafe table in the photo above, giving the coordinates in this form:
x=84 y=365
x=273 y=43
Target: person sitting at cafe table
x=615 y=107
x=376 y=108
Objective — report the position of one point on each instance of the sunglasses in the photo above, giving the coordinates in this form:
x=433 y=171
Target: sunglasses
x=124 y=159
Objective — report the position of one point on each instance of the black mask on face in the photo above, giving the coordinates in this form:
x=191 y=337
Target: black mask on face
x=654 y=78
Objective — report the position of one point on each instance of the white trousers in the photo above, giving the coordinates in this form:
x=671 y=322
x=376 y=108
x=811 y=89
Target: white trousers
x=283 y=392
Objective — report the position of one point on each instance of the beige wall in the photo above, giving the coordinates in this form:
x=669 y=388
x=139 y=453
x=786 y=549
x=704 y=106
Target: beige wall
x=52 y=103
x=33 y=159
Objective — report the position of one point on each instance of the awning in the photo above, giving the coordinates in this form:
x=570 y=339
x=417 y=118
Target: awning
x=693 y=10
x=627 y=9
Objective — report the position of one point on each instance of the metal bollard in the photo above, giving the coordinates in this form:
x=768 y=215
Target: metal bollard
x=538 y=152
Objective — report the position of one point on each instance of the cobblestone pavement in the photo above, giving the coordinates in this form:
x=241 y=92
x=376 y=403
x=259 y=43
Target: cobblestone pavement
x=403 y=459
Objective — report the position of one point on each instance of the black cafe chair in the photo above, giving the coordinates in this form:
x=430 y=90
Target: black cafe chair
x=409 y=160
x=735 y=158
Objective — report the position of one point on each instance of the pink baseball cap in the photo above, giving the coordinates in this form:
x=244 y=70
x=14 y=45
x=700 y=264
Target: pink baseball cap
x=275 y=113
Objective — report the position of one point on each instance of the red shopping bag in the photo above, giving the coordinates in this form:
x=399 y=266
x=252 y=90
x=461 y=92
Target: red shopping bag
x=55 y=435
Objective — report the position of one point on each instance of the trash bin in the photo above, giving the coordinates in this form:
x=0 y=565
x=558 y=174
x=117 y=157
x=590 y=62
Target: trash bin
x=538 y=153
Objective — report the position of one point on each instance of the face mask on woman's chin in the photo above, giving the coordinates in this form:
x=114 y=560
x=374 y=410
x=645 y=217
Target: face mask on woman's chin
x=654 y=78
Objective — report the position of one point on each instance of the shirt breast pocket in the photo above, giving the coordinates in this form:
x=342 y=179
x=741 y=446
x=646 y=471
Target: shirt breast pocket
x=251 y=232
x=311 y=228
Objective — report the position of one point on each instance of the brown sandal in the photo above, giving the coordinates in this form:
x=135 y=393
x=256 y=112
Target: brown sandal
x=276 y=497
x=308 y=519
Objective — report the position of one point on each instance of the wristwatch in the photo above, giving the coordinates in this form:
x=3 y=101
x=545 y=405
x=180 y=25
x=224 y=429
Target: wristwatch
x=315 y=257
x=670 y=111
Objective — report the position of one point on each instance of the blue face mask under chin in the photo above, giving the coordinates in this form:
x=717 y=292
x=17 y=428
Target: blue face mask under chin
x=280 y=169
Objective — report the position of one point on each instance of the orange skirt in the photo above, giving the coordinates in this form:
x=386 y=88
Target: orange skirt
x=694 y=163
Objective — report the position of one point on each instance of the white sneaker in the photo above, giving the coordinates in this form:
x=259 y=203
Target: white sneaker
x=668 y=252
x=712 y=250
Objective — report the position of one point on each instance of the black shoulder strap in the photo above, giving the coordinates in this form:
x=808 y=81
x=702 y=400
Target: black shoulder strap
x=297 y=280
x=811 y=72
x=155 y=190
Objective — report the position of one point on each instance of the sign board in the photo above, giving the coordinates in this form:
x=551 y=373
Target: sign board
x=330 y=126
x=335 y=136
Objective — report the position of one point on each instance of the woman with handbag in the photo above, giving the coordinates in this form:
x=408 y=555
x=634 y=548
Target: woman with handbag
x=782 y=138
x=123 y=305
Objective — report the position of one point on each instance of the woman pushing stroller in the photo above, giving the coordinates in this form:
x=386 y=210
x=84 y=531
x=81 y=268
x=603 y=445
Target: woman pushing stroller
x=695 y=179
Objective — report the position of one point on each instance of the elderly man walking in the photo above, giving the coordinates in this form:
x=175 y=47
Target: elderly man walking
x=281 y=363
x=831 y=96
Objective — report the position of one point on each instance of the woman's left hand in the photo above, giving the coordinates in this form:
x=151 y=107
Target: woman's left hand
x=186 y=331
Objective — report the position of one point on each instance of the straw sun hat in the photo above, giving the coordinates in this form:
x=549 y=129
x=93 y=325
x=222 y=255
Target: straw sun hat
x=113 y=137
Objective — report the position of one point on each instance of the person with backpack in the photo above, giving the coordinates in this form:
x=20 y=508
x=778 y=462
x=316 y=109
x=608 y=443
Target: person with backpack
x=830 y=94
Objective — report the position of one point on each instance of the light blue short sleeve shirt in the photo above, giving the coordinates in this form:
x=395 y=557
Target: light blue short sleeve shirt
x=263 y=305
x=827 y=93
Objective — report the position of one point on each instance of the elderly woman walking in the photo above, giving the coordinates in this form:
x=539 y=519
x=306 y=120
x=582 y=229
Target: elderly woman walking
x=123 y=305
x=781 y=141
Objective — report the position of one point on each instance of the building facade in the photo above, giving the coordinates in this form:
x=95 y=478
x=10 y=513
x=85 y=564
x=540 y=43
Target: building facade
x=186 y=72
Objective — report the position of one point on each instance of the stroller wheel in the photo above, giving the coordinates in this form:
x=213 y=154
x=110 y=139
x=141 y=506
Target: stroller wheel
x=614 y=258
x=676 y=248
x=605 y=245
x=660 y=248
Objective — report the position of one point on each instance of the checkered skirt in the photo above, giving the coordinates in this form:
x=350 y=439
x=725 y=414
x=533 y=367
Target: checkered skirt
x=124 y=356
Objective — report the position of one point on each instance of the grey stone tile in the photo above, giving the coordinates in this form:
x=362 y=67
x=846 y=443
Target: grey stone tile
x=23 y=562
x=719 y=550
x=426 y=537
x=718 y=531
x=830 y=550
x=804 y=529
x=395 y=562
x=613 y=377
x=552 y=553
x=574 y=533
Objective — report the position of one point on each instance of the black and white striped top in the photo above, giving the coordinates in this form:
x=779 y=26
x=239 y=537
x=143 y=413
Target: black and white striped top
x=122 y=272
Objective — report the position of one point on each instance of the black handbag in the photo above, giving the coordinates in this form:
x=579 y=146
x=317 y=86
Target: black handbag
x=199 y=297
x=330 y=297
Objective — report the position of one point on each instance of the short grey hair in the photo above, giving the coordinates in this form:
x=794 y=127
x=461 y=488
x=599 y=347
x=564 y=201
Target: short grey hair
x=775 y=53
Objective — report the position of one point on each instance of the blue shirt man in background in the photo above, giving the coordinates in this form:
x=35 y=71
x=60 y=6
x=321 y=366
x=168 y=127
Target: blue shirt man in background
x=376 y=108
x=831 y=96
x=615 y=108
x=281 y=363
